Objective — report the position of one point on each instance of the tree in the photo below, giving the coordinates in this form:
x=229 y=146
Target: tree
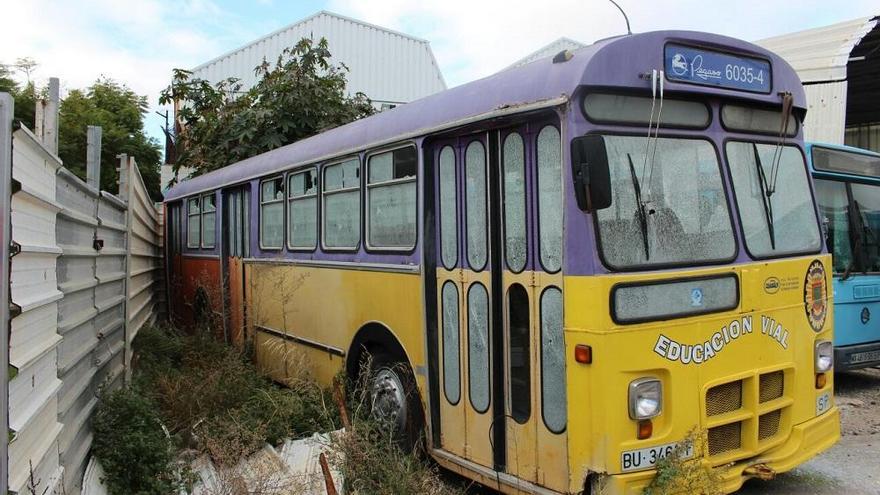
x=119 y=111
x=25 y=98
x=302 y=95
x=7 y=84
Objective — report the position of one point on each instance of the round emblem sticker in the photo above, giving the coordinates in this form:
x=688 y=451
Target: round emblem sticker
x=815 y=294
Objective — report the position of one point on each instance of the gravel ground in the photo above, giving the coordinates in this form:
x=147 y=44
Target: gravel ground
x=852 y=466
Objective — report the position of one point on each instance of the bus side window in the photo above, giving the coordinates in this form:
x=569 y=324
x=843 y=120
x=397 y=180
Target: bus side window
x=302 y=210
x=550 y=198
x=193 y=224
x=553 y=396
x=451 y=359
x=209 y=220
x=272 y=213
x=448 y=209
x=391 y=199
x=342 y=205
x=475 y=194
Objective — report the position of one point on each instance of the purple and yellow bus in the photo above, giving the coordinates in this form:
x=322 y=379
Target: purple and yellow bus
x=559 y=271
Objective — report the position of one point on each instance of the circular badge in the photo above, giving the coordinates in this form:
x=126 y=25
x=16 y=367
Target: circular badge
x=815 y=295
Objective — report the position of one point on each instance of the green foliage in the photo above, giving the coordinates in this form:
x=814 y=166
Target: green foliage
x=25 y=98
x=119 y=111
x=302 y=95
x=136 y=455
x=679 y=473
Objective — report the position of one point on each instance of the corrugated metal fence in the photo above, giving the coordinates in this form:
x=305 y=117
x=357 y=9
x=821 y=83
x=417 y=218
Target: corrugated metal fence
x=85 y=277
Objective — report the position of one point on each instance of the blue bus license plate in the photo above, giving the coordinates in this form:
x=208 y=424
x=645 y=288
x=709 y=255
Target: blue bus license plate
x=864 y=357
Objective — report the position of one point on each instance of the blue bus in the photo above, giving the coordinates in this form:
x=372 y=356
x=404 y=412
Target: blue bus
x=848 y=192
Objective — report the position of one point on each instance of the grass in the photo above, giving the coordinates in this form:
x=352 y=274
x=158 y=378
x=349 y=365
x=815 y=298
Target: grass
x=213 y=401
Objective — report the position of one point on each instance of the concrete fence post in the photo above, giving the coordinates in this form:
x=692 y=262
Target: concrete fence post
x=124 y=177
x=6 y=113
x=50 y=119
x=93 y=156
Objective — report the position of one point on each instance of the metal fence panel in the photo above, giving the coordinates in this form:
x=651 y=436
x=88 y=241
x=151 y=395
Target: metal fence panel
x=83 y=285
x=34 y=340
x=6 y=112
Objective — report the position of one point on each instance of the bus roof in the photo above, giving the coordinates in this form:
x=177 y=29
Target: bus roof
x=842 y=147
x=540 y=84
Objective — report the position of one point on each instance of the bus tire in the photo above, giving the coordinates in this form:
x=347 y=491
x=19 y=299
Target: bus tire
x=394 y=400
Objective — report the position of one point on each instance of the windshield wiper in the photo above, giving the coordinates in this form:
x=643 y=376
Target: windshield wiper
x=640 y=208
x=765 y=196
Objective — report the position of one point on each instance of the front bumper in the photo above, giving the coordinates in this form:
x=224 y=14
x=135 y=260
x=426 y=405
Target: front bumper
x=805 y=441
x=843 y=356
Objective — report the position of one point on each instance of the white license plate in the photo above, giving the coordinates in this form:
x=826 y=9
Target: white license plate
x=635 y=460
x=864 y=357
x=823 y=403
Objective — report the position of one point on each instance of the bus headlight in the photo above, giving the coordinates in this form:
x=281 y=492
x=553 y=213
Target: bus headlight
x=645 y=398
x=824 y=356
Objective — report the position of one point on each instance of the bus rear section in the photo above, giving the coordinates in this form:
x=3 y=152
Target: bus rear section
x=847 y=184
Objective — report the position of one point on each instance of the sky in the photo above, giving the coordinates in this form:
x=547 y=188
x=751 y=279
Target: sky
x=139 y=42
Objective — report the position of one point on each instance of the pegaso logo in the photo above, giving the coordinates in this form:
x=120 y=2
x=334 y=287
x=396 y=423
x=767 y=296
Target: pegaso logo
x=771 y=285
x=816 y=295
x=679 y=64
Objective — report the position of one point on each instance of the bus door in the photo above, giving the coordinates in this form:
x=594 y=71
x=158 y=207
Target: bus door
x=464 y=290
x=174 y=249
x=499 y=300
x=530 y=252
x=234 y=248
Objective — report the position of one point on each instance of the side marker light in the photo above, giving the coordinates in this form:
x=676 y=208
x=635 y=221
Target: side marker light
x=583 y=354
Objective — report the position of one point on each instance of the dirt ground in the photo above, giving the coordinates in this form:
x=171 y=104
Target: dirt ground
x=852 y=466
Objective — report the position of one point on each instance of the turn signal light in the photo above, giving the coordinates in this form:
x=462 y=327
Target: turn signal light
x=583 y=354
x=821 y=380
x=646 y=429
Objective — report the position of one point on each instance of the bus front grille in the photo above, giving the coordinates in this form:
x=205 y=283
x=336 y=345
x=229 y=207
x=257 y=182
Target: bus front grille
x=724 y=398
x=768 y=424
x=725 y=438
x=747 y=416
x=771 y=386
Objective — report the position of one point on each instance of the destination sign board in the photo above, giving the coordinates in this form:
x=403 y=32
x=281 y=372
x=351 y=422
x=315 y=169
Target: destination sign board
x=710 y=68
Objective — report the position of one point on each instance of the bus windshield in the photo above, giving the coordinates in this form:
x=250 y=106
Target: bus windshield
x=772 y=191
x=668 y=204
x=852 y=227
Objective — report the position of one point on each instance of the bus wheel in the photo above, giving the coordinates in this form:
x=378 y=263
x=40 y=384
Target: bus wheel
x=394 y=400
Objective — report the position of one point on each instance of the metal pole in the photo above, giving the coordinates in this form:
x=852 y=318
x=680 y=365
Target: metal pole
x=6 y=113
x=93 y=156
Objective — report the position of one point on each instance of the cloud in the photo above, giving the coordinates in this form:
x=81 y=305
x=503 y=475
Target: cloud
x=137 y=43
x=473 y=39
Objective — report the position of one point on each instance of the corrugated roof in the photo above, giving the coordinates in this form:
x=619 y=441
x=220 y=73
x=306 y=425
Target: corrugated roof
x=821 y=54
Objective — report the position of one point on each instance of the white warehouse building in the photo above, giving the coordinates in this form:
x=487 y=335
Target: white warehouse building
x=389 y=67
x=839 y=66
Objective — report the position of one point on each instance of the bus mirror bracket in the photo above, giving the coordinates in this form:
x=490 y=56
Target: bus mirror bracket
x=592 y=180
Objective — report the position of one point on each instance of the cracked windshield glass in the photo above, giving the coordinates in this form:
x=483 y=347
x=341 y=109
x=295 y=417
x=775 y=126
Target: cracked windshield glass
x=668 y=204
x=772 y=191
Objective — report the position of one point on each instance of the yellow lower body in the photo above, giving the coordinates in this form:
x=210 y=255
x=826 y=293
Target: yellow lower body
x=805 y=441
